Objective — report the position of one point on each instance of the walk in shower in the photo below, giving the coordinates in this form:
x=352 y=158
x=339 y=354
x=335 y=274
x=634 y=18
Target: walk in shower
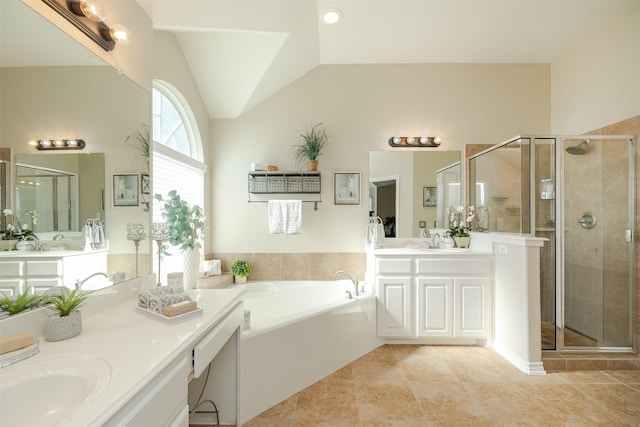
x=577 y=193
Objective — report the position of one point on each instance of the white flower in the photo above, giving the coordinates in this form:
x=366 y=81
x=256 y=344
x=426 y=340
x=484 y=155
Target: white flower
x=460 y=209
x=7 y=212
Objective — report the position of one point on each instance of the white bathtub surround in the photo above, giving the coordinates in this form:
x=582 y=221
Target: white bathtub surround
x=300 y=333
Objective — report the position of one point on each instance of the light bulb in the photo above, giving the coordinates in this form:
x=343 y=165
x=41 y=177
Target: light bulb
x=424 y=139
x=397 y=139
x=331 y=16
x=90 y=9
x=410 y=140
x=116 y=33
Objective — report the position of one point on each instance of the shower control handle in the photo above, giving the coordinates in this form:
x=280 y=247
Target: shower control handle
x=587 y=221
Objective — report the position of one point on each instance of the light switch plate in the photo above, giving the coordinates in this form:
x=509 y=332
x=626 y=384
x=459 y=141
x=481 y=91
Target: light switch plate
x=503 y=249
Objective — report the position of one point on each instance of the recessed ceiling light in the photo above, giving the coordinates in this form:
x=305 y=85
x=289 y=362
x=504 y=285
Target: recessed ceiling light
x=331 y=16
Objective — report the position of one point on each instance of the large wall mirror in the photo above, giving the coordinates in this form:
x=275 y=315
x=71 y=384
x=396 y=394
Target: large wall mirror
x=53 y=87
x=410 y=189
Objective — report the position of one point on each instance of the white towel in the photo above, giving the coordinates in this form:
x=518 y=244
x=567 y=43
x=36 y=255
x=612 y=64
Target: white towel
x=276 y=216
x=293 y=216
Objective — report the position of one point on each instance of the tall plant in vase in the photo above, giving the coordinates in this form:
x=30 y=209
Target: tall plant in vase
x=186 y=231
x=311 y=145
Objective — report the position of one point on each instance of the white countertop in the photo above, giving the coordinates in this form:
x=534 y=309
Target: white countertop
x=137 y=348
x=430 y=252
x=48 y=254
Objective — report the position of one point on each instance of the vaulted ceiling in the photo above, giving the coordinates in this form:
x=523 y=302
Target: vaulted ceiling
x=242 y=51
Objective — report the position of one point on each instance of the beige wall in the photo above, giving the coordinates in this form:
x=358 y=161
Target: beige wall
x=361 y=107
x=598 y=83
x=38 y=102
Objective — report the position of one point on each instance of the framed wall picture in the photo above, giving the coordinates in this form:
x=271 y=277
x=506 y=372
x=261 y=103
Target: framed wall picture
x=429 y=197
x=145 y=184
x=125 y=190
x=346 y=188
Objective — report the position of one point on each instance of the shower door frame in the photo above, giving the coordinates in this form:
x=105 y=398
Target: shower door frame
x=560 y=240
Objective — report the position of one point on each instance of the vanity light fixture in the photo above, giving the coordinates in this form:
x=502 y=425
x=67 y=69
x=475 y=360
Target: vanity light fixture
x=58 y=144
x=414 y=141
x=88 y=17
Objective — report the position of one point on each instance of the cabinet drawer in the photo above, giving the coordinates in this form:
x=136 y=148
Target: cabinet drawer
x=394 y=266
x=11 y=268
x=454 y=267
x=44 y=268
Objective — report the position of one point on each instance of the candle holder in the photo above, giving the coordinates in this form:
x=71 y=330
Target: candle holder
x=136 y=232
x=159 y=233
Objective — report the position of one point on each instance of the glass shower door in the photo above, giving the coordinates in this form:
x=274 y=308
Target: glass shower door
x=597 y=288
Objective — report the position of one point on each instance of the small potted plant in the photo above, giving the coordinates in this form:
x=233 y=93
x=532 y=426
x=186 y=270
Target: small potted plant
x=22 y=302
x=310 y=148
x=240 y=269
x=67 y=322
x=460 y=219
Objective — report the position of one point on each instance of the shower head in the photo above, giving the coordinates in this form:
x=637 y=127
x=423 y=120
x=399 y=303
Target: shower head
x=578 y=149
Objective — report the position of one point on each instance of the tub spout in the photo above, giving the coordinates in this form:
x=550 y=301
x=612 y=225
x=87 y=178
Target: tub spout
x=353 y=280
x=79 y=282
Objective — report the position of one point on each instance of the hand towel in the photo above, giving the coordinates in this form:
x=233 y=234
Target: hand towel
x=146 y=296
x=158 y=302
x=276 y=212
x=293 y=216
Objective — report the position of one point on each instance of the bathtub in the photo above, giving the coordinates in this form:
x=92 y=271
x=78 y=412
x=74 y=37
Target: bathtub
x=299 y=333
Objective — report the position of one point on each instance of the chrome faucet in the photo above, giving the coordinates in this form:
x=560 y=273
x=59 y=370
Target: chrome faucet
x=34 y=238
x=353 y=280
x=58 y=236
x=79 y=282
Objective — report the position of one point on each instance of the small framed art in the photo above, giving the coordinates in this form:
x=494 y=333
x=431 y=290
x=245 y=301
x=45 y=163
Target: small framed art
x=125 y=190
x=346 y=186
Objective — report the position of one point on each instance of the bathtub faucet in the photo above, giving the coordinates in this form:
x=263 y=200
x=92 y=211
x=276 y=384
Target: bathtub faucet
x=353 y=280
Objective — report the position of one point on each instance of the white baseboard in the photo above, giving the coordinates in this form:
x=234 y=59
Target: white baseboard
x=529 y=368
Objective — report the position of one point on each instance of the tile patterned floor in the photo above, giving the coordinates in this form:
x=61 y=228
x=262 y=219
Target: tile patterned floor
x=416 y=386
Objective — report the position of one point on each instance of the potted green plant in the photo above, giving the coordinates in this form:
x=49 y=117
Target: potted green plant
x=22 y=302
x=67 y=322
x=311 y=145
x=141 y=139
x=186 y=230
x=241 y=269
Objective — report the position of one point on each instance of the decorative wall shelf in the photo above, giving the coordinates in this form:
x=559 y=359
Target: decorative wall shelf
x=264 y=183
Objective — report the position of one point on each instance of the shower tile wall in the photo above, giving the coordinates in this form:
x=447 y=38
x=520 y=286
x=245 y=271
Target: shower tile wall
x=631 y=126
x=583 y=248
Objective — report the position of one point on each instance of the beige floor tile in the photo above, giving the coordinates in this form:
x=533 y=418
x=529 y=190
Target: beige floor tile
x=588 y=377
x=423 y=386
x=627 y=377
x=387 y=402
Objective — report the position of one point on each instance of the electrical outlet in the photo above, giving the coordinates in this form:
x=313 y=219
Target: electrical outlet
x=503 y=249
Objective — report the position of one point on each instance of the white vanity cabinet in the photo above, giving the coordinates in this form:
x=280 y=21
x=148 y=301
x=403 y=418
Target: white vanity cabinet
x=43 y=270
x=446 y=297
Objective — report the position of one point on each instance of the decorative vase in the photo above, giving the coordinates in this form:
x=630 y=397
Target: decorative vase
x=240 y=280
x=8 y=245
x=191 y=267
x=312 y=165
x=60 y=328
x=462 y=242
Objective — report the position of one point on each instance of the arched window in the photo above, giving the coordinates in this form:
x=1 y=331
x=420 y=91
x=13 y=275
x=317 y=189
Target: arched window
x=177 y=160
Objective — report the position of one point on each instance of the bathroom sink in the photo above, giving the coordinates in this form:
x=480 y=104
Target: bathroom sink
x=47 y=391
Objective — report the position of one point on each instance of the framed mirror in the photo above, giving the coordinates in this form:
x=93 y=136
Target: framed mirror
x=397 y=182
x=53 y=87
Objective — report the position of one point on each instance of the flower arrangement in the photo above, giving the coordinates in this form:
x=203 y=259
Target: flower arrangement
x=460 y=219
x=16 y=229
x=186 y=224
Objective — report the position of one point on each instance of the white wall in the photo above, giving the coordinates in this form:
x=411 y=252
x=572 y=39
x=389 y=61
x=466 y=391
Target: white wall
x=598 y=83
x=361 y=107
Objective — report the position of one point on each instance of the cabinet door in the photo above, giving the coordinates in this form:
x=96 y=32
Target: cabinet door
x=394 y=307
x=435 y=307
x=472 y=307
